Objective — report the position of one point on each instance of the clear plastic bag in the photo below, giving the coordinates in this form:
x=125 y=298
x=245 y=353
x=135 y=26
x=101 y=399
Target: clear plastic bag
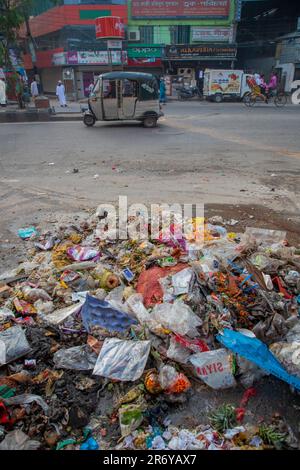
x=6 y=314
x=34 y=294
x=76 y=358
x=172 y=381
x=266 y=238
x=178 y=353
x=177 y=317
x=13 y=344
x=122 y=360
x=26 y=399
x=18 y=440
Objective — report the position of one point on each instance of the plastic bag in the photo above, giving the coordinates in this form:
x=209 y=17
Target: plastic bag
x=13 y=344
x=214 y=368
x=130 y=418
x=82 y=253
x=26 y=399
x=257 y=352
x=266 y=238
x=28 y=232
x=135 y=304
x=76 y=358
x=177 y=317
x=177 y=352
x=122 y=360
x=181 y=281
x=34 y=294
x=148 y=283
x=172 y=381
x=18 y=440
x=6 y=314
x=288 y=355
x=100 y=312
x=60 y=315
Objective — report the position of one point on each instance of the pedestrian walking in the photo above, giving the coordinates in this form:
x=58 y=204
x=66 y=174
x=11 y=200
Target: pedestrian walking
x=19 y=87
x=91 y=87
x=60 y=93
x=162 y=91
x=273 y=83
x=34 y=89
x=2 y=92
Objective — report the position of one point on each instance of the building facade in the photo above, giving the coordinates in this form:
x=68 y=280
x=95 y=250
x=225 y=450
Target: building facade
x=66 y=47
x=183 y=38
x=288 y=58
x=179 y=38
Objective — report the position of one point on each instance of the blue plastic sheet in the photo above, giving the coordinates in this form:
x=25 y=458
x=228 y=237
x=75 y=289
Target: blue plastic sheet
x=101 y=313
x=255 y=351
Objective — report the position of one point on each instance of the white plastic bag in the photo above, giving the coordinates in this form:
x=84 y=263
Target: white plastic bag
x=15 y=344
x=18 y=440
x=178 y=353
x=214 y=368
x=122 y=360
x=177 y=317
x=76 y=358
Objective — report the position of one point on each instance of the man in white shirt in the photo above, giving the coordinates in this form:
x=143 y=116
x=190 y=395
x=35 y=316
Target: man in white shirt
x=34 y=89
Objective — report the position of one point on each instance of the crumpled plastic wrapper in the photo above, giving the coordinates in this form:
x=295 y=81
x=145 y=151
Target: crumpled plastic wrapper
x=122 y=360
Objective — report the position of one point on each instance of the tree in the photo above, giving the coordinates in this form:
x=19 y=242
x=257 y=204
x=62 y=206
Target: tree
x=12 y=15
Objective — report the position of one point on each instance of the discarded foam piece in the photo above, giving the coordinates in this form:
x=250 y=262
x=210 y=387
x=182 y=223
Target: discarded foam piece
x=100 y=312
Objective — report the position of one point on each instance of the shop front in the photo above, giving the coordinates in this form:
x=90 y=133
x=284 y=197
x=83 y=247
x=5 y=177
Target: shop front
x=86 y=66
x=145 y=58
x=186 y=63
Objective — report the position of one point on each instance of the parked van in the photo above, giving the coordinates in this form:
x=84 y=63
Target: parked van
x=220 y=85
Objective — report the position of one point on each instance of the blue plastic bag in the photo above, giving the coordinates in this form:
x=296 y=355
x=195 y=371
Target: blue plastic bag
x=90 y=444
x=256 y=351
x=101 y=313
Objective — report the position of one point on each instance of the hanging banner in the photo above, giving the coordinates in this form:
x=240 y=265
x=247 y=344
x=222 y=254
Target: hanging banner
x=179 y=9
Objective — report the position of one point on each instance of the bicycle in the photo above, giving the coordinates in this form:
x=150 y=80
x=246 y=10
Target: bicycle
x=279 y=98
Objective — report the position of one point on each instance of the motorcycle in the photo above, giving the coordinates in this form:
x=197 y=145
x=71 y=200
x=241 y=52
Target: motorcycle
x=189 y=93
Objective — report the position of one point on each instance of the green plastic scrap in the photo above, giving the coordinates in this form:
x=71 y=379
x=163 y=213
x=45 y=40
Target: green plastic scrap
x=6 y=392
x=65 y=443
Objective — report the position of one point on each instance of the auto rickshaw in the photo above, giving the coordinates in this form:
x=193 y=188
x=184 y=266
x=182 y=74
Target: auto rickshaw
x=122 y=96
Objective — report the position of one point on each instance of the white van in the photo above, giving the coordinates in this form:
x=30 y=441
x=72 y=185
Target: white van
x=225 y=84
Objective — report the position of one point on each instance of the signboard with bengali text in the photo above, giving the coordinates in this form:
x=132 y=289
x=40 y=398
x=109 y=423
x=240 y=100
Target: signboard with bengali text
x=179 y=9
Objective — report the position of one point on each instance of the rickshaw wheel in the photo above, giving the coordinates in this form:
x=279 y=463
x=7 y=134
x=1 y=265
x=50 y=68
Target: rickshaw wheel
x=89 y=120
x=150 y=121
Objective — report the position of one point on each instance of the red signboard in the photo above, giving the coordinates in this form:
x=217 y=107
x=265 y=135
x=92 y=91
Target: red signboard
x=110 y=27
x=158 y=9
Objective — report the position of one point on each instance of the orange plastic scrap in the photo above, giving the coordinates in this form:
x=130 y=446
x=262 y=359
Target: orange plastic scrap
x=233 y=289
x=148 y=283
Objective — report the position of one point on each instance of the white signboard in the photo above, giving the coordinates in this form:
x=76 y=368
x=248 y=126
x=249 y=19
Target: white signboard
x=100 y=57
x=59 y=58
x=212 y=34
x=114 y=44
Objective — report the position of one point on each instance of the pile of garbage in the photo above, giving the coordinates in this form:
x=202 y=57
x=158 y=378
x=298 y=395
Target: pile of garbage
x=100 y=337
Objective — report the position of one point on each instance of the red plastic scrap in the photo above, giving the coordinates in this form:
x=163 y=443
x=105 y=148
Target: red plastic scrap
x=241 y=410
x=277 y=281
x=196 y=345
x=4 y=415
x=148 y=284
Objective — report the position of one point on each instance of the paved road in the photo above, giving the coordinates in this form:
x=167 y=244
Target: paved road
x=199 y=153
